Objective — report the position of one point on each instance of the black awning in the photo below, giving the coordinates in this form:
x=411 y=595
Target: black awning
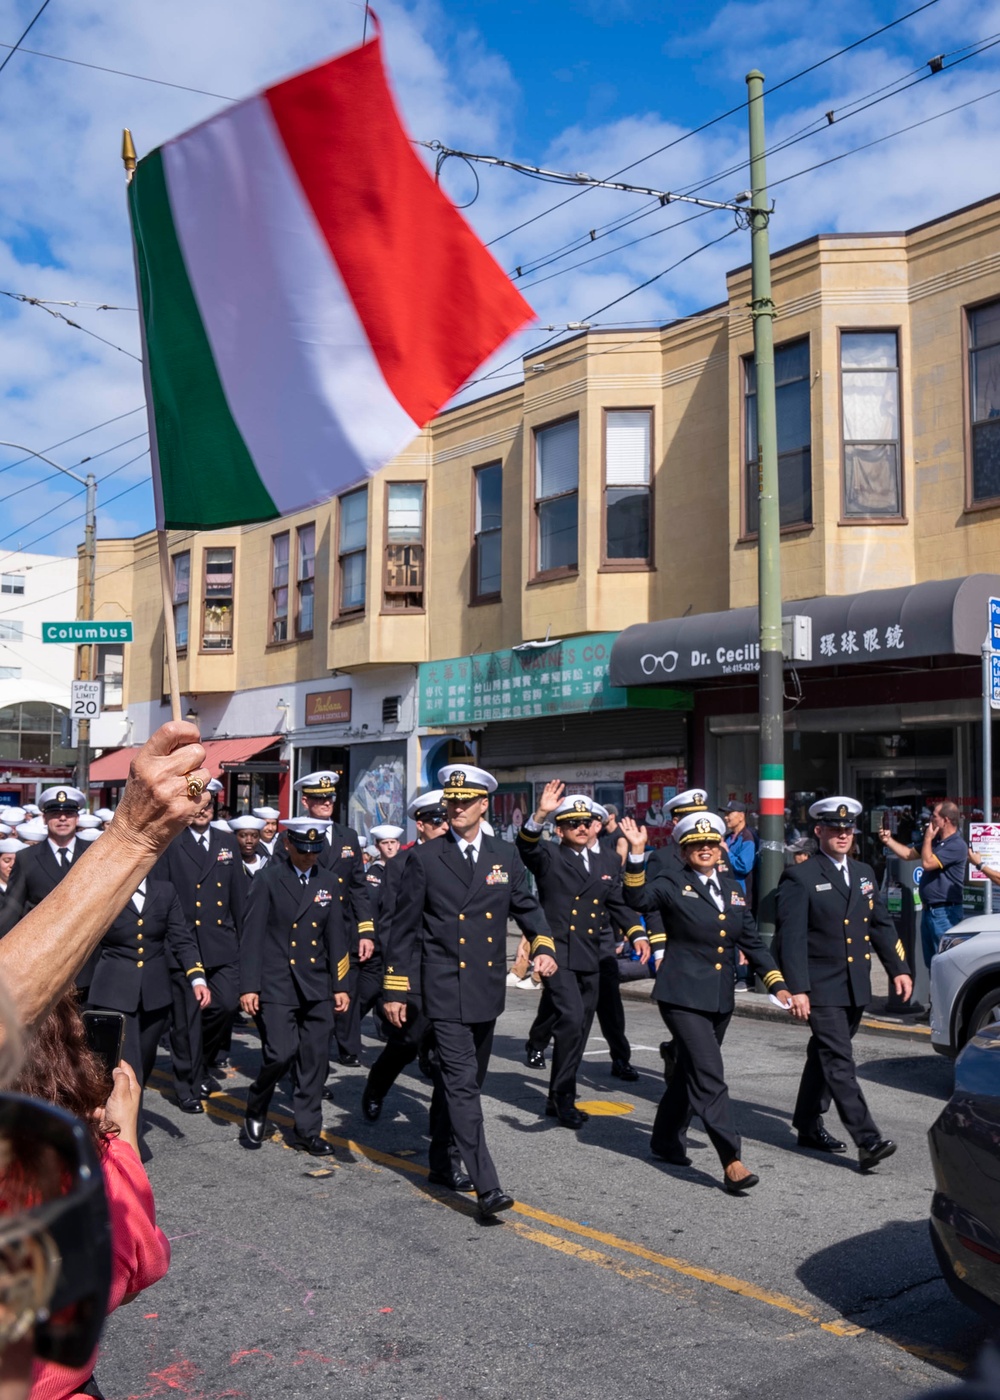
x=947 y=617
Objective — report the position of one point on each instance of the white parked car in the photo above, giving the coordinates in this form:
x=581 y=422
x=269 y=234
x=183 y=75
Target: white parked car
x=965 y=982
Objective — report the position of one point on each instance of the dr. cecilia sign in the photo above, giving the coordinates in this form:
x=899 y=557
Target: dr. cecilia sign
x=80 y=633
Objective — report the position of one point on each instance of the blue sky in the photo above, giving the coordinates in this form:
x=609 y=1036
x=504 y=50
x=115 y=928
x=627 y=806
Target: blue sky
x=574 y=84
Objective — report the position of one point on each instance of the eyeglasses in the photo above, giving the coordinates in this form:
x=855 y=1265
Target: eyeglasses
x=55 y=1238
x=434 y=819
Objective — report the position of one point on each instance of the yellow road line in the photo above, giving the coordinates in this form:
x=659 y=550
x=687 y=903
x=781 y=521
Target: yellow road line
x=872 y=1022
x=730 y=1283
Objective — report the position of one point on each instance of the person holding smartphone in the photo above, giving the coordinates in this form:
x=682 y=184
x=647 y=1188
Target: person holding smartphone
x=943 y=855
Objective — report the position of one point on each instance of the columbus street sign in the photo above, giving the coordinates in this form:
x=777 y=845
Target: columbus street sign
x=80 y=633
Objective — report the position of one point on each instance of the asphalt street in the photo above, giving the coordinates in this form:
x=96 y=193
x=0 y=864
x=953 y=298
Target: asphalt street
x=614 y=1275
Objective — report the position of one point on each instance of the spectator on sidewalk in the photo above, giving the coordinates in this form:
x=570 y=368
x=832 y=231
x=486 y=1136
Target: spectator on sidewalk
x=943 y=856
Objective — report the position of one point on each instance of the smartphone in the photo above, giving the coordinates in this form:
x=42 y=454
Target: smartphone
x=106 y=1036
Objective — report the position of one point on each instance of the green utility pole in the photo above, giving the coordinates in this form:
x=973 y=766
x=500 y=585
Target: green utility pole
x=771 y=786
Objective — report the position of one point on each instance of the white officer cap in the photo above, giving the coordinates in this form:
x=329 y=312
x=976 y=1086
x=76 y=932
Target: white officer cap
x=694 y=800
x=245 y=823
x=306 y=833
x=87 y=821
x=33 y=831
x=601 y=812
x=836 y=811
x=429 y=802
x=221 y=825
x=698 y=827
x=386 y=832
x=213 y=785
x=319 y=784
x=90 y=833
x=267 y=814
x=62 y=799
x=461 y=781
x=10 y=846
x=576 y=805
x=105 y=813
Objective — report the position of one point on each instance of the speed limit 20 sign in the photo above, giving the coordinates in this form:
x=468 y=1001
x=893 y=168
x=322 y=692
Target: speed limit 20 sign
x=85 y=702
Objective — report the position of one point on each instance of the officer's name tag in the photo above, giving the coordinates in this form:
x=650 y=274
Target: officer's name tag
x=827 y=886
x=498 y=877
x=690 y=894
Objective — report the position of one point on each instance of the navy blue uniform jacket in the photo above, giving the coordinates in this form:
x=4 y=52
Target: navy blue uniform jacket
x=294 y=945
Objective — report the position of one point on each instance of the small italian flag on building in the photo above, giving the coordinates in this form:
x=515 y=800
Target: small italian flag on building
x=310 y=299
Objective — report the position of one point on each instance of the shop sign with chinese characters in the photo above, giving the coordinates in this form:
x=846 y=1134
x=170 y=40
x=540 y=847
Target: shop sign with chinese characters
x=570 y=677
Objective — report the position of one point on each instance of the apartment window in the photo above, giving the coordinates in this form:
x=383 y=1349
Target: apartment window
x=404 y=546
x=11 y=583
x=791 y=379
x=557 y=474
x=182 y=597
x=217 y=621
x=352 y=560
x=111 y=670
x=486 y=549
x=628 y=461
x=984 y=388
x=279 y=587
x=869 y=386
x=305 y=580
x=10 y=673
x=390 y=709
x=11 y=631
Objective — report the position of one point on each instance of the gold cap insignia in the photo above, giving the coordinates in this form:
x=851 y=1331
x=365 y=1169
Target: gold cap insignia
x=703 y=826
x=842 y=810
x=699 y=797
x=60 y=796
x=457 y=779
x=312 y=834
x=580 y=805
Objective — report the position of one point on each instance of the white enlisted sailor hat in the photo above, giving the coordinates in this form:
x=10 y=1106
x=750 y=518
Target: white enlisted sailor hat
x=386 y=832
x=487 y=828
x=429 y=804
x=372 y=852
x=699 y=827
x=33 y=831
x=601 y=812
x=12 y=816
x=306 y=833
x=62 y=799
x=836 y=811
x=576 y=807
x=213 y=786
x=105 y=813
x=694 y=800
x=88 y=821
x=221 y=825
x=319 y=784
x=90 y=833
x=461 y=781
x=267 y=814
x=10 y=846
x=246 y=823
x=31 y=809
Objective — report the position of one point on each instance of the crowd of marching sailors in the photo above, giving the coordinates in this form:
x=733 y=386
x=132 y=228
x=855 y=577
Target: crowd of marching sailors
x=289 y=923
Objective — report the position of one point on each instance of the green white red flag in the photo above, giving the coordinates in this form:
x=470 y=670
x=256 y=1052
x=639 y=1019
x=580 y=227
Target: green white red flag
x=310 y=298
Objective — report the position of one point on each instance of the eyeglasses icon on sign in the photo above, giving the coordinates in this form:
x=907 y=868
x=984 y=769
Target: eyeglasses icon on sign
x=651 y=663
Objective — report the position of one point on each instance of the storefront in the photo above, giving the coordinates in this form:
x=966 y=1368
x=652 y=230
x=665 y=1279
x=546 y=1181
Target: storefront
x=539 y=712
x=886 y=708
x=251 y=770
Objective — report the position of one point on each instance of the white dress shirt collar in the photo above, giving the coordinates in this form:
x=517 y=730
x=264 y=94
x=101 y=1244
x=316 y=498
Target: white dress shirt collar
x=70 y=847
x=475 y=843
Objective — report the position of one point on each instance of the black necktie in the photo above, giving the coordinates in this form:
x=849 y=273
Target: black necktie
x=64 y=857
x=304 y=877
x=470 y=856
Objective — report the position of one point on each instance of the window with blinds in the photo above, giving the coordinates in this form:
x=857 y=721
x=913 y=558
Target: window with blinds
x=404 y=547
x=279 y=587
x=628 y=475
x=557 y=476
x=305 y=541
x=869 y=392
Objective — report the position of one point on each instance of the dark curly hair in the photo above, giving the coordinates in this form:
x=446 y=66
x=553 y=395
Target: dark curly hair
x=60 y=1067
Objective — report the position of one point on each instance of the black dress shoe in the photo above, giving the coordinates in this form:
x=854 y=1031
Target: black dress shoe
x=871 y=1153
x=253 y=1129
x=190 y=1106
x=209 y=1086
x=676 y=1159
x=370 y=1106
x=534 y=1059
x=493 y=1202
x=621 y=1069
x=351 y=1061
x=455 y=1181
x=821 y=1141
x=315 y=1146
x=744 y=1184
x=567 y=1112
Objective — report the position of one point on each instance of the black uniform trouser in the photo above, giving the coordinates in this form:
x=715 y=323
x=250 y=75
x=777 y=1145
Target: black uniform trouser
x=829 y=1074
x=347 y=1024
x=610 y=1011
x=196 y=1035
x=698 y=1085
x=402 y=1046
x=143 y=1029
x=293 y=1039
x=460 y=1064
x=217 y=1018
x=573 y=996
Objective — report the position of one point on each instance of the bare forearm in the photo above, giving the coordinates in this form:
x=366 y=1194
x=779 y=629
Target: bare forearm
x=897 y=847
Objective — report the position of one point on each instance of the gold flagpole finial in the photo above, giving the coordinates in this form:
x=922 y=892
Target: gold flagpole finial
x=128 y=154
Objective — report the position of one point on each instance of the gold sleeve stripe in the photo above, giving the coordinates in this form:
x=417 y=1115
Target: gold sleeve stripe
x=366 y=926
x=900 y=950
x=770 y=978
x=396 y=984
x=343 y=968
x=655 y=939
x=633 y=878
x=636 y=931
x=197 y=968
x=541 y=942
x=529 y=835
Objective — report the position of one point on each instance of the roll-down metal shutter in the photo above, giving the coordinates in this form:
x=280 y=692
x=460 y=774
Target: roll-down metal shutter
x=613 y=734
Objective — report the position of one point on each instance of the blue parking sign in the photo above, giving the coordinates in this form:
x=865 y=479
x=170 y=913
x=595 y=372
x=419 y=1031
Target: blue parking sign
x=995 y=623
x=995 y=680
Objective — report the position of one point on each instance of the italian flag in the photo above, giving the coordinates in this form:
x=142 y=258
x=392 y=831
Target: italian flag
x=310 y=299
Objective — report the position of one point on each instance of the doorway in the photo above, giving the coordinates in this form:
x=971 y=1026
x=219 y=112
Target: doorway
x=897 y=791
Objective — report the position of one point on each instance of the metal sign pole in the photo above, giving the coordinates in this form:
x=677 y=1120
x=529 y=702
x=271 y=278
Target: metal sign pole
x=988 y=752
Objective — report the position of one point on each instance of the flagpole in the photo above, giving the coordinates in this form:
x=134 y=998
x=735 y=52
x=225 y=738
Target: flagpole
x=162 y=547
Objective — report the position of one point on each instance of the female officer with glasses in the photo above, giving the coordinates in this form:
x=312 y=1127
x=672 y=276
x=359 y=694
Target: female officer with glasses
x=709 y=921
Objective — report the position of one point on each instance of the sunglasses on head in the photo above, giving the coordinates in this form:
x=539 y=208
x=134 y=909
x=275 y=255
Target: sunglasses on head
x=55 y=1237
